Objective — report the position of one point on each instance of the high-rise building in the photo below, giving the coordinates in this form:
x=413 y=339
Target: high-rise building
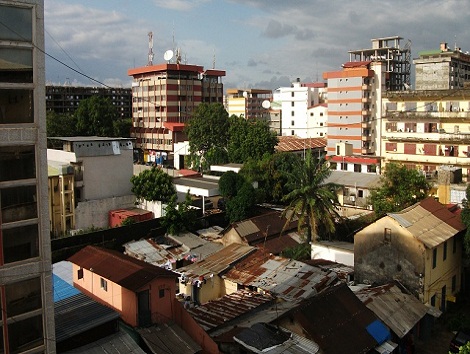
x=355 y=99
x=27 y=312
x=442 y=69
x=65 y=99
x=164 y=97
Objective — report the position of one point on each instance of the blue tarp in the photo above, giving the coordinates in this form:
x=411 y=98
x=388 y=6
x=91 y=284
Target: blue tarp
x=378 y=331
x=62 y=289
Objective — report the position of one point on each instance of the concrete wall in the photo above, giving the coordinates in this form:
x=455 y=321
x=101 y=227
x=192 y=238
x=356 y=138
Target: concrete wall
x=378 y=261
x=332 y=253
x=94 y=213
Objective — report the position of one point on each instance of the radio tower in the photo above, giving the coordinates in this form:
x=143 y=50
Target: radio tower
x=150 y=49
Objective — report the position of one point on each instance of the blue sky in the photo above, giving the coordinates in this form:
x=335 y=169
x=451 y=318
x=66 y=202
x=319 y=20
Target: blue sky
x=260 y=43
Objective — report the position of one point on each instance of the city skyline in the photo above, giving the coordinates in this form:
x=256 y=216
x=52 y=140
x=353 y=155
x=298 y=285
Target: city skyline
x=258 y=44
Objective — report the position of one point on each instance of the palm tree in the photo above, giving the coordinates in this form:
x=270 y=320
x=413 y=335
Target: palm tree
x=311 y=200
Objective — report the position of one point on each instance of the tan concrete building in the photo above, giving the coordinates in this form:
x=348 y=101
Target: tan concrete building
x=27 y=315
x=420 y=246
x=248 y=103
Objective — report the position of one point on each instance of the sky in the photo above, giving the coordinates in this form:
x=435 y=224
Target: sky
x=261 y=44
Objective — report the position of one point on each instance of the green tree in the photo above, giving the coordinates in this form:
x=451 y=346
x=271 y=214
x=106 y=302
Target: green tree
x=312 y=200
x=95 y=116
x=249 y=139
x=400 y=187
x=238 y=195
x=178 y=216
x=60 y=125
x=153 y=185
x=122 y=127
x=271 y=174
x=207 y=129
x=465 y=215
x=299 y=252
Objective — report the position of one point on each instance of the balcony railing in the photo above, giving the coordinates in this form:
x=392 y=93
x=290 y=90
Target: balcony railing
x=462 y=138
x=393 y=114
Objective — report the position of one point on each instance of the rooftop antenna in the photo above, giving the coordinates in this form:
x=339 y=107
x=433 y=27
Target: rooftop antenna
x=178 y=56
x=150 y=63
x=213 y=61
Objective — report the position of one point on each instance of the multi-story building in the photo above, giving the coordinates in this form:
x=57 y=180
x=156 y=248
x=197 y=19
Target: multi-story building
x=164 y=97
x=427 y=129
x=317 y=119
x=355 y=95
x=248 y=103
x=27 y=310
x=102 y=169
x=442 y=69
x=295 y=103
x=65 y=99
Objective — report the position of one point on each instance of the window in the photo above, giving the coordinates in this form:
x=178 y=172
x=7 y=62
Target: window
x=20 y=243
x=104 y=284
x=434 y=258
x=292 y=132
x=292 y=122
x=357 y=167
x=17 y=162
x=444 y=253
x=18 y=203
x=360 y=193
x=80 y=273
x=292 y=104
x=387 y=235
x=292 y=113
x=161 y=293
x=23 y=297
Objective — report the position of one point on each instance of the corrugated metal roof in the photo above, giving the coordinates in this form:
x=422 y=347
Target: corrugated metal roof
x=121 y=269
x=168 y=338
x=356 y=179
x=219 y=312
x=119 y=343
x=79 y=313
x=288 y=279
x=399 y=311
x=62 y=289
x=265 y=338
x=429 y=221
x=218 y=262
x=256 y=229
x=293 y=143
x=336 y=320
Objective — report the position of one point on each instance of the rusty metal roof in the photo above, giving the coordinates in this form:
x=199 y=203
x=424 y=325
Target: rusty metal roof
x=429 y=221
x=337 y=321
x=293 y=143
x=218 y=262
x=168 y=338
x=288 y=279
x=121 y=269
x=217 y=313
x=259 y=228
x=399 y=311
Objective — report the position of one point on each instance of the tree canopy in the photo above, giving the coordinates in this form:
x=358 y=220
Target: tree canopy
x=312 y=200
x=249 y=139
x=207 y=129
x=238 y=195
x=95 y=115
x=400 y=187
x=178 y=216
x=153 y=185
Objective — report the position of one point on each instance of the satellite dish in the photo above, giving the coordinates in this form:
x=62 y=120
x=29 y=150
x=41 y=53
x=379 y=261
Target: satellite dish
x=245 y=94
x=168 y=55
x=266 y=104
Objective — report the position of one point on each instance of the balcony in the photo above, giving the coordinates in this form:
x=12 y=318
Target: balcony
x=461 y=138
x=392 y=114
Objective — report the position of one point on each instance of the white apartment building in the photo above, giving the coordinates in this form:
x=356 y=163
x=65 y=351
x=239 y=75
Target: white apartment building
x=295 y=103
x=317 y=119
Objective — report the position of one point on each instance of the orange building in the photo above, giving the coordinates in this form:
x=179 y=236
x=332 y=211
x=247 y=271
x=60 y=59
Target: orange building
x=142 y=293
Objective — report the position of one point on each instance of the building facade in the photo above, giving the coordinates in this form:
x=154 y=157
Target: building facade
x=248 y=103
x=442 y=69
x=27 y=316
x=427 y=129
x=65 y=99
x=164 y=97
x=296 y=101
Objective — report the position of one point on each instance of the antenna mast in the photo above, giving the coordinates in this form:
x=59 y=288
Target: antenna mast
x=150 y=62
